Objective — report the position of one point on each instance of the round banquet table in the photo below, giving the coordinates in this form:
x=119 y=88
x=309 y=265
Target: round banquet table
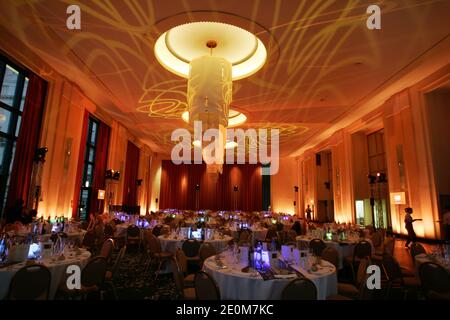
x=57 y=270
x=171 y=244
x=344 y=248
x=237 y=285
x=423 y=257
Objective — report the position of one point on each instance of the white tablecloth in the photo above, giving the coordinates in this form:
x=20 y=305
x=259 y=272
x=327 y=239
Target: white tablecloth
x=422 y=258
x=237 y=285
x=344 y=248
x=171 y=244
x=57 y=269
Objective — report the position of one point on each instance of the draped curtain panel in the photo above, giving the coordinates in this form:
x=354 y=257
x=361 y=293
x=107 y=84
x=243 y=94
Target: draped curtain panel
x=131 y=175
x=216 y=193
x=28 y=140
x=101 y=158
x=81 y=155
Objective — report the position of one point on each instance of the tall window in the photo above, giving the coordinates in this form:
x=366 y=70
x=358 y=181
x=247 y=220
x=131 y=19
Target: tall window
x=14 y=83
x=88 y=170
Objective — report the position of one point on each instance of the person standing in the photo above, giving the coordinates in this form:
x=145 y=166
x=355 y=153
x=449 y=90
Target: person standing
x=409 y=226
x=308 y=213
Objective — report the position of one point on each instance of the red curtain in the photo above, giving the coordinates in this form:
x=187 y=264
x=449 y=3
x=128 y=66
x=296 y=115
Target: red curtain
x=28 y=140
x=81 y=155
x=131 y=175
x=101 y=159
x=216 y=193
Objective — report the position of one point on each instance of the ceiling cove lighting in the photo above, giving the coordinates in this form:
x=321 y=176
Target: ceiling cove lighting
x=211 y=55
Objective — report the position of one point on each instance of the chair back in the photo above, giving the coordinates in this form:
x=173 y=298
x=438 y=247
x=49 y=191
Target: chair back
x=206 y=250
x=178 y=277
x=416 y=248
x=391 y=268
x=271 y=233
x=377 y=239
x=364 y=293
x=89 y=239
x=133 y=231
x=291 y=235
x=205 y=287
x=331 y=255
x=154 y=245
x=389 y=246
x=363 y=249
x=30 y=283
x=107 y=249
x=434 y=279
x=244 y=235
x=157 y=230
x=362 y=270
x=119 y=258
x=181 y=260
x=299 y=289
x=94 y=272
x=317 y=246
x=191 y=248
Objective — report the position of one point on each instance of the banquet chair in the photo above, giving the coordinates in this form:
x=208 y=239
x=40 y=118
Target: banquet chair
x=245 y=234
x=89 y=241
x=205 y=287
x=291 y=236
x=134 y=236
x=352 y=290
x=317 y=246
x=191 y=248
x=107 y=249
x=111 y=274
x=206 y=250
x=157 y=230
x=299 y=289
x=377 y=241
x=30 y=283
x=188 y=279
x=92 y=279
x=435 y=281
x=331 y=255
x=396 y=278
x=364 y=293
x=416 y=248
x=184 y=293
x=363 y=249
x=157 y=253
x=271 y=233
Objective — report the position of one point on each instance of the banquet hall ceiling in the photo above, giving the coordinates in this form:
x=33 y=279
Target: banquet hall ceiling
x=322 y=59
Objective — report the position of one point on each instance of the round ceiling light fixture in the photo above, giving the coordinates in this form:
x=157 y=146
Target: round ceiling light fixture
x=176 y=48
x=235 y=118
x=211 y=55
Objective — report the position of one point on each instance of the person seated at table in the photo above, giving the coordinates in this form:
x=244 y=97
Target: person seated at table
x=297 y=227
x=91 y=221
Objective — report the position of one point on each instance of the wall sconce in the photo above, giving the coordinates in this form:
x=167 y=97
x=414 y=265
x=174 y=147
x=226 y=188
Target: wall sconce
x=101 y=194
x=398 y=198
x=112 y=174
x=40 y=153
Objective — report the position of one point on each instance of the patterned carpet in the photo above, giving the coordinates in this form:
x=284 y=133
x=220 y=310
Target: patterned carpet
x=133 y=283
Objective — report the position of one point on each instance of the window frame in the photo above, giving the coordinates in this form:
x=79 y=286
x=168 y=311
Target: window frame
x=10 y=135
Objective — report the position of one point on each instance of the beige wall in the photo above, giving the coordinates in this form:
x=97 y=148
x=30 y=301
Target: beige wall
x=282 y=186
